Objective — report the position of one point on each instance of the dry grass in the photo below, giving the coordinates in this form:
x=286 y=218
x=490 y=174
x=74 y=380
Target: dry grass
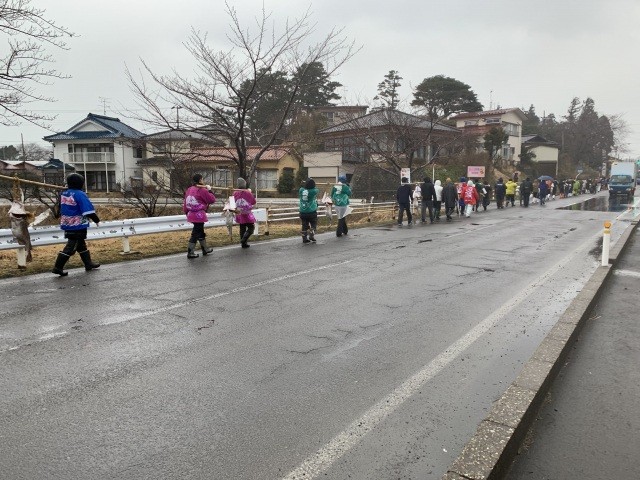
x=108 y=251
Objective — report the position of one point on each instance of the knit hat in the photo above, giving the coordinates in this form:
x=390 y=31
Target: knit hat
x=311 y=183
x=342 y=179
x=241 y=183
x=75 y=181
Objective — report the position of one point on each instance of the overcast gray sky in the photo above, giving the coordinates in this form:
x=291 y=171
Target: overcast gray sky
x=513 y=53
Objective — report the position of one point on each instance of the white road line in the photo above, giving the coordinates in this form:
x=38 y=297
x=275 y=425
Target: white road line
x=324 y=458
x=627 y=273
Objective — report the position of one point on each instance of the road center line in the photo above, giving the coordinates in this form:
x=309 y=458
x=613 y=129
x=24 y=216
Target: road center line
x=324 y=458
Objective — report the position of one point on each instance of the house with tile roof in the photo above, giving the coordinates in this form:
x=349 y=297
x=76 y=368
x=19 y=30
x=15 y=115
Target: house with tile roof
x=375 y=137
x=102 y=149
x=477 y=124
x=164 y=148
x=218 y=165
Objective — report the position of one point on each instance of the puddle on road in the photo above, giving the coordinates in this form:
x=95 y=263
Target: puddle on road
x=607 y=204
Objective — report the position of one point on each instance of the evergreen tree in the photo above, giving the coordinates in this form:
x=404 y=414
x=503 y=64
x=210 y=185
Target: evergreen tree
x=388 y=89
x=443 y=96
x=316 y=90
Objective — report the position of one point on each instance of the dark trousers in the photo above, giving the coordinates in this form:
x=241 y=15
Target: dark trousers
x=511 y=199
x=402 y=207
x=342 y=226
x=246 y=230
x=449 y=209
x=499 y=201
x=427 y=204
x=309 y=221
x=75 y=242
x=197 y=233
x=437 y=205
x=525 y=198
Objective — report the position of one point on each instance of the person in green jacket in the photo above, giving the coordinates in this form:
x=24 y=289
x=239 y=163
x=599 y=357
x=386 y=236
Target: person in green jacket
x=340 y=194
x=308 y=196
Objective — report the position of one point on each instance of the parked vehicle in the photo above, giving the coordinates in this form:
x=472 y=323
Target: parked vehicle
x=623 y=179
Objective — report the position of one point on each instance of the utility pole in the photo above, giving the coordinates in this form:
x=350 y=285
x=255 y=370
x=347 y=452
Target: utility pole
x=177 y=107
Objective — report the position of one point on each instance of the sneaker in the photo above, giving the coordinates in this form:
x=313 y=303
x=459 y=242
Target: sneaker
x=306 y=240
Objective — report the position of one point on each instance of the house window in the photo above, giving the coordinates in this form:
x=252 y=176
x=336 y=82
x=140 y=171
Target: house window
x=222 y=177
x=507 y=152
x=469 y=123
x=511 y=129
x=267 y=179
x=137 y=152
x=329 y=116
x=159 y=148
x=492 y=120
x=154 y=176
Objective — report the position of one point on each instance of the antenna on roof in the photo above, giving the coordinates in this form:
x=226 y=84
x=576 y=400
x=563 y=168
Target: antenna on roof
x=490 y=99
x=104 y=101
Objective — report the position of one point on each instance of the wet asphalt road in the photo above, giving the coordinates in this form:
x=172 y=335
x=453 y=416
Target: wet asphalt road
x=368 y=357
x=589 y=426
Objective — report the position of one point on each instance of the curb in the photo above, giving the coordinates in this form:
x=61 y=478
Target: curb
x=491 y=450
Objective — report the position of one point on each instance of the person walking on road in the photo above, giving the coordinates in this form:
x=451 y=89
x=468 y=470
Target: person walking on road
x=437 y=204
x=428 y=198
x=543 y=191
x=471 y=198
x=500 y=192
x=526 y=189
x=510 y=189
x=308 y=196
x=404 y=196
x=460 y=188
x=340 y=194
x=75 y=212
x=197 y=199
x=245 y=202
x=450 y=197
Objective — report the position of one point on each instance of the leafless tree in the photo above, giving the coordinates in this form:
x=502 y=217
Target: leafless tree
x=25 y=63
x=392 y=140
x=218 y=101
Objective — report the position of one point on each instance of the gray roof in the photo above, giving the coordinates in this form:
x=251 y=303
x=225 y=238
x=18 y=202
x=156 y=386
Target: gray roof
x=113 y=128
x=382 y=118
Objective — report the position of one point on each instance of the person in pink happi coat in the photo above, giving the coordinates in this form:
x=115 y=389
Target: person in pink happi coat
x=244 y=215
x=197 y=199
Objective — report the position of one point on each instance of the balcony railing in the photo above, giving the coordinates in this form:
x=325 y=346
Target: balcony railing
x=90 y=157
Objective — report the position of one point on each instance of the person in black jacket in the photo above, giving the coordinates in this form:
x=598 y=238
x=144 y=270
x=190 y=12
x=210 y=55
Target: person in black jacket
x=500 y=191
x=404 y=195
x=526 y=188
x=428 y=197
x=449 y=197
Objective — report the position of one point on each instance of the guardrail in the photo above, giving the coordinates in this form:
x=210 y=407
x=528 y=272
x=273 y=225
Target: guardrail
x=51 y=235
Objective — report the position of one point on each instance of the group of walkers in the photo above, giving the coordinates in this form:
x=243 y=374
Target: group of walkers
x=463 y=197
x=308 y=200
x=197 y=199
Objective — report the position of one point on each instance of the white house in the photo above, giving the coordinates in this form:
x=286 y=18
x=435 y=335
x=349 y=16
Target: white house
x=103 y=149
x=479 y=123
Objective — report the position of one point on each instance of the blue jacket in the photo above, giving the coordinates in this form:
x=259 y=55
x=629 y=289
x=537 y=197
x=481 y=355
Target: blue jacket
x=75 y=210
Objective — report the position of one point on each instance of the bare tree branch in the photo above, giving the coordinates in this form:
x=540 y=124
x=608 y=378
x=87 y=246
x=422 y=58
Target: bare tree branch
x=26 y=63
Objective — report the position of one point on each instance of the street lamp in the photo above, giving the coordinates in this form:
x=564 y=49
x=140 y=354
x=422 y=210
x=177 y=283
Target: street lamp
x=177 y=108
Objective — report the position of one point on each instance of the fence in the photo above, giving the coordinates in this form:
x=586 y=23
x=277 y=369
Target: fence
x=124 y=229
